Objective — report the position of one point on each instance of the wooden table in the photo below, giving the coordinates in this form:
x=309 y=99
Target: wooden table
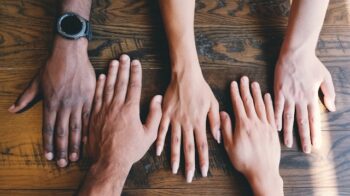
x=234 y=37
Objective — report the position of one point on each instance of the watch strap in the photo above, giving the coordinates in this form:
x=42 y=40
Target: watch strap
x=88 y=32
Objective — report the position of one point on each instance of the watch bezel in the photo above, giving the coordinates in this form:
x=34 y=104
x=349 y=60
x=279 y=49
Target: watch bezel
x=78 y=35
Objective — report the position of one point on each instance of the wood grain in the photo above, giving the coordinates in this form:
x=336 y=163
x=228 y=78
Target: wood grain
x=233 y=38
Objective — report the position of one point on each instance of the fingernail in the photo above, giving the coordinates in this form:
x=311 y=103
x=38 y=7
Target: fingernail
x=49 y=156
x=234 y=84
x=84 y=140
x=333 y=108
x=306 y=149
x=159 y=150
x=102 y=76
x=158 y=99
x=244 y=79
x=124 y=57
x=218 y=136
x=189 y=176
x=175 y=167
x=73 y=156
x=288 y=143
x=11 y=107
x=114 y=63
x=62 y=163
x=204 y=170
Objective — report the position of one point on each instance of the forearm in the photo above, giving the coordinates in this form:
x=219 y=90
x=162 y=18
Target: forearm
x=105 y=178
x=305 y=24
x=81 y=8
x=178 y=18
x=77 y=6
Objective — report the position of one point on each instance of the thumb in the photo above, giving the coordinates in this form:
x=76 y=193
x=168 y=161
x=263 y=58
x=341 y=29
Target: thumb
x=327 y=88
x=154 y=117
x=27 y=96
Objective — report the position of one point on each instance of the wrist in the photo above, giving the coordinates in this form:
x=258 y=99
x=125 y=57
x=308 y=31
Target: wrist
x=67 y=45
x=289 y=56
x=267 y=184
x=105 y=177
x=78 y=7
x=291 y=47
x=186 y=69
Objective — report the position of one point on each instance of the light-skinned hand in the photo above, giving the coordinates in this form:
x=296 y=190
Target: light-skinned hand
x=253 y=146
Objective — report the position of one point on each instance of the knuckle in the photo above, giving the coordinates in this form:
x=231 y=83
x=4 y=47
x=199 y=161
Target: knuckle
x=62 y=153
x=123 y=85
x=86 y=114
x=65 y=102
x=61 y=132
x=189 y=165
x=203 y=146
x=48 y=130
x=288 y=116
x=109 y=88
x=135 y=84
x=75 y=147
x=247 y=100
x=302 y=121
x=175 y=156
x=175 y=140
x=189 y=147
x=48 y=147
x=50 y=105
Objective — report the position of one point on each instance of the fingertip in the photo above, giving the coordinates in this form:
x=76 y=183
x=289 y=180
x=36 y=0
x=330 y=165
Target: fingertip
x=114 y=63
x=330 y=105
x=158 y=99
x=189 y=175
x=218 y=136
x=175 y=167
x=223 y=115
x=244 y=79
x=84 y=139
x=124 y=57
x=102 y=76
x=255 y=85
x=204 y=170
x=62 y=163
x=135 y=62
x=49 y=156
x=234 y=84
x=73 y=157
x=288 y=142
x=11 y=108
x=307 y=149
x=159 y=150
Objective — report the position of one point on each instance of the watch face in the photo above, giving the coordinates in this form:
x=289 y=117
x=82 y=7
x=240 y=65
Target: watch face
x=71 y=25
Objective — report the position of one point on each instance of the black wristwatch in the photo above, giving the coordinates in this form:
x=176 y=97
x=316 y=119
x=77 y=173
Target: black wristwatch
x=72 y=26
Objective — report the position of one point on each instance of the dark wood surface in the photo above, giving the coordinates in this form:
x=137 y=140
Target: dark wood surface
x=234 y=37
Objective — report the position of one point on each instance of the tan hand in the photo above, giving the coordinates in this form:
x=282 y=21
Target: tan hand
x=116 y=133
x=187 y=103
x=298 y=79
x=253 y=147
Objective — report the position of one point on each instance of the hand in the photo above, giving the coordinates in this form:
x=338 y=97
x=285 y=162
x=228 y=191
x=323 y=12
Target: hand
x=187 y=102
x=116 y=132
x=117 y=138
x=253 y=147
x=67 y=83
x=298 y=78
